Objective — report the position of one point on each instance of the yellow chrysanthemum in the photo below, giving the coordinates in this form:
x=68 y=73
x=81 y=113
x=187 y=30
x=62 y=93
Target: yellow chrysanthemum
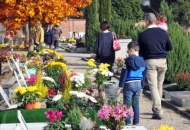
x=165 y=127
x=22 y=91
x=19 y=89
x=31 y=88
x=39 y=93
x=91 y=63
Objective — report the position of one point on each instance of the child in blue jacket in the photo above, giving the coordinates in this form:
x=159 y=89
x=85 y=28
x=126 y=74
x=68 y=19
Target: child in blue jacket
x=132 y=80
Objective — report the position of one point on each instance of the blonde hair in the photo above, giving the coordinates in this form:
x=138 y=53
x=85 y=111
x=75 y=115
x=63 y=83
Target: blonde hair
x=161 y=17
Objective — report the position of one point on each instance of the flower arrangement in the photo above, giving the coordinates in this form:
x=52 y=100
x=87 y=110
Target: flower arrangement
x=72 y=40
x=119 y=63
x=52 y=98
x=48 y=54
x=77 y=80
x=31 y=80
x=101 y=74
x=89 y=71
x=165 y=127
x=62 y=39
x=49 y=82
x=26 y=95
x=83 y=95
x=54 y=120
x=54 y=69
x=114 y=116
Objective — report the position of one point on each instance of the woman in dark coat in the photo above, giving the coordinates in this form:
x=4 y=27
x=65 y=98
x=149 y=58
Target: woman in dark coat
x=49 y=36
x=104 y=46
x=57 y=33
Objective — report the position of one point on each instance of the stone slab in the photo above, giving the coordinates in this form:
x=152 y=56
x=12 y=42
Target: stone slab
x=181 y=99
x=123 y=43
x=167 y=94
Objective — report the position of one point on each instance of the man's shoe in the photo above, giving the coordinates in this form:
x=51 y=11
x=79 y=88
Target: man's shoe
x=157 y=116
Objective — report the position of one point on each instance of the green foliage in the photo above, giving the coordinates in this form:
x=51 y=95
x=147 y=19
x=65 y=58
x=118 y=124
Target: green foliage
x=92 y=25
x=74 y=117
x=56 y=125
x=165 y=9
x=179 y=57
x=31 y=54
x=54 y=71
x=118 y=25
x=128 y=9
x=181 y=12
x=104 y=10
x=133 y=34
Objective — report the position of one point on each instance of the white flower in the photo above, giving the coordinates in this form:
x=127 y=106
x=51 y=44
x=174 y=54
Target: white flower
x=92 y=99
x=78 y=79
x=57 y=97
x=73 y=92
x=95 y=70
x=49 y=79
x=80 y=94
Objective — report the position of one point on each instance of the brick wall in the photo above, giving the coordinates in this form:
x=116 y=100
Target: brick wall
x=73 y=25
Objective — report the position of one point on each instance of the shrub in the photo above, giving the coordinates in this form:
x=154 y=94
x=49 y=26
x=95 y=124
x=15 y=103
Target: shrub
x=179 y=58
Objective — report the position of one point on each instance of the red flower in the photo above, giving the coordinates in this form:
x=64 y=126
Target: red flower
x=51 y=92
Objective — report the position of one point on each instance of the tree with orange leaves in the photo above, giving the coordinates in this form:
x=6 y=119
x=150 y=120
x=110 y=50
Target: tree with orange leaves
x=14 y=14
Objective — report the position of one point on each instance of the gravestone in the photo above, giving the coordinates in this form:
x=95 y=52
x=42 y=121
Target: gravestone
x=181 y=99
x=123 y=52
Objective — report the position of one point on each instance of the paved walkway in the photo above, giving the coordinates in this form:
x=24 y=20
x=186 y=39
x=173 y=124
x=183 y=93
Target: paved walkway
x=171 y=118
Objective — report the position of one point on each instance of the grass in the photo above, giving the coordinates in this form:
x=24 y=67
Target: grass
x=37 y=115
x=34 y=115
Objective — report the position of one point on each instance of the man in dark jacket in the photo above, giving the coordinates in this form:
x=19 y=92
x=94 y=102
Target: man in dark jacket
x=132 y=80
x=154 y=44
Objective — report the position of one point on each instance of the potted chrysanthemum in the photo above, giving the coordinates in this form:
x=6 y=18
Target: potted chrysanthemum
x=30 y=97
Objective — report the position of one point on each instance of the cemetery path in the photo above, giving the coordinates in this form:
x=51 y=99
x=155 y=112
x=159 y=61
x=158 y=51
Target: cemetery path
x=170 y=118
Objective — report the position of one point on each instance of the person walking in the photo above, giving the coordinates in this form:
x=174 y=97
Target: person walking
x=57 y=34
x=132 y=80
x=39 y=34
x=154 y=44
x=104 y=46
x=49 y=36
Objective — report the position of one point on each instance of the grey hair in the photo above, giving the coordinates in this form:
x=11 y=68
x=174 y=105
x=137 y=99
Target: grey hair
x=150 y=17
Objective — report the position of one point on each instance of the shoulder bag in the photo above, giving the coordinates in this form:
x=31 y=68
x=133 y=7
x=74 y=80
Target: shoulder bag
x=116 y=45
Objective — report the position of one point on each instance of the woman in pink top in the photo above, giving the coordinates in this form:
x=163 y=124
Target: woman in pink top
x=161 y=22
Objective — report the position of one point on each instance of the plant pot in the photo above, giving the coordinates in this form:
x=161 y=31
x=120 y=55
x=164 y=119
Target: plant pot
x=37 y=104
x=29 y=106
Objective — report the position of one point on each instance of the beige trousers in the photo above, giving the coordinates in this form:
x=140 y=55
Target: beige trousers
x=156 y=69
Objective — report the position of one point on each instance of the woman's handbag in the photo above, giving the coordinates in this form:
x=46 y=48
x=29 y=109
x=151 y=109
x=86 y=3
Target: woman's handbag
x=116 y=45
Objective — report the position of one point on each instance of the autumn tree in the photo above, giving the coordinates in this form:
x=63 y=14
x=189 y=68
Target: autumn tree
x=16 y=13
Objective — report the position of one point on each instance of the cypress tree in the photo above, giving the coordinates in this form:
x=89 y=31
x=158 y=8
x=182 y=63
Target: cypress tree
x=164 y=8
x=105 y=10
x=128 y=9
x=92 y=25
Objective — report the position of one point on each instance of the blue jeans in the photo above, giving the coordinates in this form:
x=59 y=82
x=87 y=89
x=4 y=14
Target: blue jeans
x=131 y=93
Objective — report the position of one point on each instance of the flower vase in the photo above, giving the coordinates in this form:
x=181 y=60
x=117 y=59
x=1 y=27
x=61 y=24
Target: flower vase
x=29 y=105
x=37 y=104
